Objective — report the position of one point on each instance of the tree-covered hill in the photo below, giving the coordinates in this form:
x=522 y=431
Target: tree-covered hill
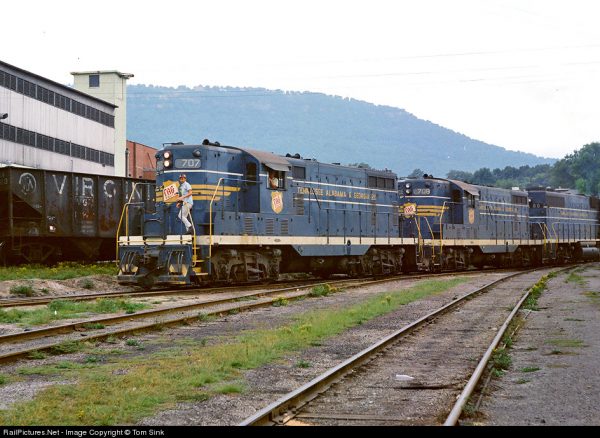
x=579 y=170
x=328 y=128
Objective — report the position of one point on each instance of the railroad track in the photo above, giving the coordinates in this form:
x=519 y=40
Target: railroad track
x=23 y=343
x=433 y=357
x=38 y=301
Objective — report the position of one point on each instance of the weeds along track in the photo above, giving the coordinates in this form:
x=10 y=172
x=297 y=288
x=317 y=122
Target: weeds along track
x=22 y=344
x=38 y=301
x=415 y=375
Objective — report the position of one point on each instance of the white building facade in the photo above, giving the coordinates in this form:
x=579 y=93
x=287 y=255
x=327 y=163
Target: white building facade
x=109 y=86
x=46 y=125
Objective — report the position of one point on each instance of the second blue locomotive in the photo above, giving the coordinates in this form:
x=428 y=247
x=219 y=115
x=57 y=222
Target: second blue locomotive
x=458 y=224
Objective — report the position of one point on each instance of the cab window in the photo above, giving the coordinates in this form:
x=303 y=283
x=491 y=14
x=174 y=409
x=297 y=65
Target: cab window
x=276 y=180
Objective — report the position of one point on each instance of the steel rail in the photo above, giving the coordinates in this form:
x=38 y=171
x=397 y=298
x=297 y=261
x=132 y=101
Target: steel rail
x=69 y=328
x=457 y=409
x=15 y=355
x=110 y=320
x=36 y=301
x=133 y=294
x=283 y=409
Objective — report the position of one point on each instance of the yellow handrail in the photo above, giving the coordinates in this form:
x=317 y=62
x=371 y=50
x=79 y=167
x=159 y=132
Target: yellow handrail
x=543 y=234
x=420 y=236
x=432 y=240
x=125 y=212
x=210 y=230
x=441 y=229
x=191 y=218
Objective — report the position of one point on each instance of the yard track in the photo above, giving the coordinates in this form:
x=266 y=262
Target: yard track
x=436 y=349
x=23 y=343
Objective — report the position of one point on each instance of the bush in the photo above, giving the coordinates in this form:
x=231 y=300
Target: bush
x=22 y=289
x=86 y=283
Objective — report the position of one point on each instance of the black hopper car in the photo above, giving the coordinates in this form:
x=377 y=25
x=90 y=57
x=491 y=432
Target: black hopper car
x=48 y=216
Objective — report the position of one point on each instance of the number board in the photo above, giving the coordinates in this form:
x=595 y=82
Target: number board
x=188 y=163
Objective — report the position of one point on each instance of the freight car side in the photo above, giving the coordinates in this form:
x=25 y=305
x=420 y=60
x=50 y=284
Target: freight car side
x=47 y=216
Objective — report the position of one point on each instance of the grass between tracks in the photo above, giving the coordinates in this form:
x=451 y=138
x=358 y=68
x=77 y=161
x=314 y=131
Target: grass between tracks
x=62 y=271
x=63 y=309
x=126 y=390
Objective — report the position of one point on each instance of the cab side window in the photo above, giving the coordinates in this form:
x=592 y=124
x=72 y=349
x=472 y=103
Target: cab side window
x=276 y=180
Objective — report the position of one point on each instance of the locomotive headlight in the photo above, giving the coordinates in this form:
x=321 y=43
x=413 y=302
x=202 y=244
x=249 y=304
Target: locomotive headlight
x=407 y=191
x=167 y=163
x=407 y=185
x=167 y=155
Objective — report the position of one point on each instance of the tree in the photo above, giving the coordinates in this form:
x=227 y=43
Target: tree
x=483 y=176
x=460 y=175
x=361 y=165
x=417 y=173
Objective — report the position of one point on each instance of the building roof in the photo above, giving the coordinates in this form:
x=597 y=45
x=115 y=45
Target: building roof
x=100 y=72
x=56 y=84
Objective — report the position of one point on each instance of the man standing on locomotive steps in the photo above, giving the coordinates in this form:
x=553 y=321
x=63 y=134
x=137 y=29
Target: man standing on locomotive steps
x=185 y=202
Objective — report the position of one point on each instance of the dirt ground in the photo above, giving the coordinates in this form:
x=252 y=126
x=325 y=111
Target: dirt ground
x=554 y=378
x=73 y=286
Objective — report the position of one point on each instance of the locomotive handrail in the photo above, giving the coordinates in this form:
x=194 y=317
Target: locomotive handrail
x=210 y=219
x=432 y=240
x=545 y=238
x=316 y=199
x=420 y=243
x=442 y=230
x=210 y=216
x=125 y=212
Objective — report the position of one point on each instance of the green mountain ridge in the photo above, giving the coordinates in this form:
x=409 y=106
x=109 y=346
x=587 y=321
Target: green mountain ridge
x=315 y=125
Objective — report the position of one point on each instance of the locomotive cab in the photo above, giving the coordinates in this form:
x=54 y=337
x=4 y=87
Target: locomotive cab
x=459 y=224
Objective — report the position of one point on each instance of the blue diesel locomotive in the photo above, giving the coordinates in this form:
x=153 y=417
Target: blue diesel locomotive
x=257 y=215
x=458 y=224
x=566 y=222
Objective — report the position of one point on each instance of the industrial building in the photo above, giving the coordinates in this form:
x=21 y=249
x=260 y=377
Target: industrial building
x=47 y=125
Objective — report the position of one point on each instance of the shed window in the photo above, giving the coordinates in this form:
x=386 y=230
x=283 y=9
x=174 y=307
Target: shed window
x=94 y=81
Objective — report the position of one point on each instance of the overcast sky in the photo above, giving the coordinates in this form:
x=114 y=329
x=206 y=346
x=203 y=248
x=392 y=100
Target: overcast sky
x=521 y=74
